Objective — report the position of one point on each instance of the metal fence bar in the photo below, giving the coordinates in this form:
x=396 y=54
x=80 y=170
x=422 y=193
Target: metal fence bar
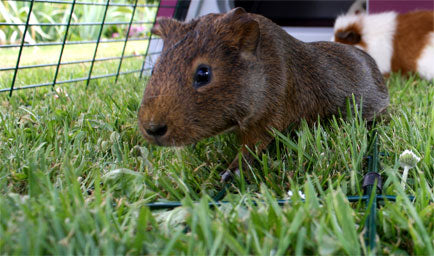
x=126 y=40
x=97 y=44
x=371 y=190
x=81 y=79
x=21 y=49
x=75 y=23
x=75 y=42
x=63 y=45
x=89 y=3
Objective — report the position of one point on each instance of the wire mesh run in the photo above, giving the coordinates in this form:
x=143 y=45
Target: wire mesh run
x=53 y=42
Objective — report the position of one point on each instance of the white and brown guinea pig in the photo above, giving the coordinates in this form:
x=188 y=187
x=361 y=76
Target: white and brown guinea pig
x=397 y=42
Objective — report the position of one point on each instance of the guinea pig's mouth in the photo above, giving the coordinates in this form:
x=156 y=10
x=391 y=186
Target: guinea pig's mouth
x=169 y=139
x=156 y=141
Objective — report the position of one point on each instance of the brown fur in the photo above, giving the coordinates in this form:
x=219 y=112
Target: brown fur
x=350 y=35
x=262 y=78
x=410 y=38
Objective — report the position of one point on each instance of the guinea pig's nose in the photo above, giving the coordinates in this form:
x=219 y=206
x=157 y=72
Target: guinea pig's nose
x=156 y=130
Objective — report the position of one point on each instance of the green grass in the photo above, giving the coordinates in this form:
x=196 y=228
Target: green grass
x=75 y=176
x=50 y=55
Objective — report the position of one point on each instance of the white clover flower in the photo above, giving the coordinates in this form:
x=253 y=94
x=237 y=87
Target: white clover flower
x=60 y=91
x=408 y=160
x=290 y=194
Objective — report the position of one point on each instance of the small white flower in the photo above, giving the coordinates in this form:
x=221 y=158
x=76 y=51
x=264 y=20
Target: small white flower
x=60 y=91
x=300 y=194
x=408 y=160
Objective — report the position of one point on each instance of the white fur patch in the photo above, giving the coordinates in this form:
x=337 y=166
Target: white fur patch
x=377 y=32
x=344 y=21
x=357 y=7
x=425 y=63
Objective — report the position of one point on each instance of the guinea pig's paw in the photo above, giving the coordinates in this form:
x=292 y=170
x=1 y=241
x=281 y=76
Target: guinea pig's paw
x=228 y=175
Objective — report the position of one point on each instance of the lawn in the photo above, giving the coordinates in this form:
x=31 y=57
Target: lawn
x=50 y=55
x=75 y=177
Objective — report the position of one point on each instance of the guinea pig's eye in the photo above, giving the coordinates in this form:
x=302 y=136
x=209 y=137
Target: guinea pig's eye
x=202 y=76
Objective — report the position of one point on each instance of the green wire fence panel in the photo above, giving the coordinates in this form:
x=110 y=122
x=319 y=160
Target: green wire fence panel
x=70 y=41
x=372 y=185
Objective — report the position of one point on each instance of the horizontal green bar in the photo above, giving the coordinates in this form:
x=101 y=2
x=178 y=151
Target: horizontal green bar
x=76 y=62
x=78 y=42
x=73 y=80
x=76 y=24
x=171 y=205
x=379 y=198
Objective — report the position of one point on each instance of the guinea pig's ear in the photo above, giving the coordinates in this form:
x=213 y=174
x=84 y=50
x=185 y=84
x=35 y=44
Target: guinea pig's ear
x=166 y=26
x=245 y=31
x=249 y=36
x=235 y=11
x=348 y=37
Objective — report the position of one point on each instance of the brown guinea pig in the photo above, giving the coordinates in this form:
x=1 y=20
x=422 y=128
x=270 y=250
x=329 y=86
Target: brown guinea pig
x=397 y=42
x=241 y=72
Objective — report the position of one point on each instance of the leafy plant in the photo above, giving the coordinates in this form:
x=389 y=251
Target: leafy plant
x=16 y=13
